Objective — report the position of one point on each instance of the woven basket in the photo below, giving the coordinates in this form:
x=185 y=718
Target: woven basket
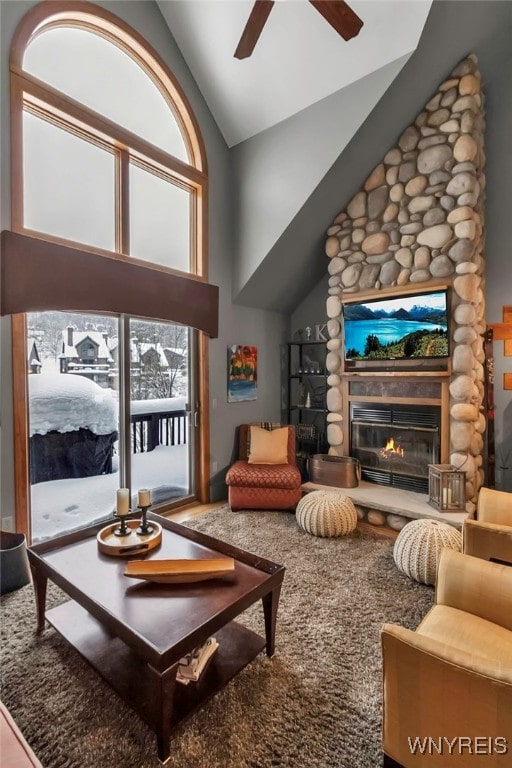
x=418 y=548
x=326 y=513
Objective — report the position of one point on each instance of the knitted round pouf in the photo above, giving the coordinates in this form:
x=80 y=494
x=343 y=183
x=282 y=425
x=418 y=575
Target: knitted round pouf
x=418 y=548
x=326 y=513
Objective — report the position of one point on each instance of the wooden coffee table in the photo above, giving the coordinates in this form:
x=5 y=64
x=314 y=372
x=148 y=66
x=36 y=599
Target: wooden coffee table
x=134 y=633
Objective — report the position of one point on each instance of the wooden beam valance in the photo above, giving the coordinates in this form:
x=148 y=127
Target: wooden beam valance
x=38 y=276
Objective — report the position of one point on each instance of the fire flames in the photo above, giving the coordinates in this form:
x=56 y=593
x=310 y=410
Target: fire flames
x=392 y=450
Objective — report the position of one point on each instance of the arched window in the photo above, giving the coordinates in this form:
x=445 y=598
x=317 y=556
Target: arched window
x=107 y=159
x=105 y=129
x=108 y=80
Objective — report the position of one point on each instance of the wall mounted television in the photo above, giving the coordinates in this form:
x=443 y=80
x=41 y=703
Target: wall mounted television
x=401 y=327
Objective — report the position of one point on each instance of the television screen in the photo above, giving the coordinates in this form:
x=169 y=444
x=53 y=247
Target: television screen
x=398 y=328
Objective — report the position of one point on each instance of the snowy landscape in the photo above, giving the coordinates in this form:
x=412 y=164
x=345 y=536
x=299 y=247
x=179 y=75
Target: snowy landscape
x=60 y=506
x=74 y=417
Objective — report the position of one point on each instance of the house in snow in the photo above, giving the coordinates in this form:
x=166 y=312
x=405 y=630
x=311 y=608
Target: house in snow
x=149 y=368
x=34 y=363
x=86 y=353
x=146 y=356
x=176 y=360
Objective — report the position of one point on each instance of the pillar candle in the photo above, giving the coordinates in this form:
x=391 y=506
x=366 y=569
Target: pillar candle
x=447 y=497
x=144 y=497
x=123 y=501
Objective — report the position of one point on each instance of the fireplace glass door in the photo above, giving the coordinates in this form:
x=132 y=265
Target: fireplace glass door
x=396 y=443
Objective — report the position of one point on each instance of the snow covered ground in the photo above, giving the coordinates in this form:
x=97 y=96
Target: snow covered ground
x=60 y=506
x=66 y=403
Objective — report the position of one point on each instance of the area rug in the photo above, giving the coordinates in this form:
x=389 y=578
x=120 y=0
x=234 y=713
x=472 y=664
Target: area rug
x=315 y=704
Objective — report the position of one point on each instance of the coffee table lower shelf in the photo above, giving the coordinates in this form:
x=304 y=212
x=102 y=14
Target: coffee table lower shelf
x=128 y=673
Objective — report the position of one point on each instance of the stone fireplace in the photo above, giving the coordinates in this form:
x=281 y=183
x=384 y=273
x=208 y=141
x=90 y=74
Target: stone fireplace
x=395 y=443
x=416 y=224
x=396 y=426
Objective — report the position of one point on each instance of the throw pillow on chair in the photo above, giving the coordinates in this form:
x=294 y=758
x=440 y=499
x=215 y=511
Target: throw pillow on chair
x=268 y=447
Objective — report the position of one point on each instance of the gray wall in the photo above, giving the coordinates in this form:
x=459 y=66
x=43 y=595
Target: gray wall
x=499 y=260
x=276 y=171
x=237 y=324
x=311 y=311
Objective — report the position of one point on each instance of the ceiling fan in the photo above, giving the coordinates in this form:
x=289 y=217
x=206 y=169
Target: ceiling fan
x=336 y=12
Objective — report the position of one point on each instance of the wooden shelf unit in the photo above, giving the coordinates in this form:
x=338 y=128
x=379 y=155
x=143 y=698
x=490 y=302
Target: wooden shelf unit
x=296 y=352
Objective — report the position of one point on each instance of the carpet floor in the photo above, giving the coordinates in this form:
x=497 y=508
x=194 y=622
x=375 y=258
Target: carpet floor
x=315 y=704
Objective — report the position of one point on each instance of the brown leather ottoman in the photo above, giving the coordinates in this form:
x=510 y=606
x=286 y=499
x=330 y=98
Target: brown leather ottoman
x=262 y=486
x=16 y=753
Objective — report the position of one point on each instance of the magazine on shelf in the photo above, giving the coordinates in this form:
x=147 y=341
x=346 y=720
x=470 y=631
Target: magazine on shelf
x=192 y=665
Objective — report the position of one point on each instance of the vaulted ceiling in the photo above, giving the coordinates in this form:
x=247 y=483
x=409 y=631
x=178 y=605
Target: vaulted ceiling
x=288 y=112
x=298 y=60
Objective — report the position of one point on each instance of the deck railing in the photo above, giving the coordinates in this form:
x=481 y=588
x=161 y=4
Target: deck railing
x=148 y=430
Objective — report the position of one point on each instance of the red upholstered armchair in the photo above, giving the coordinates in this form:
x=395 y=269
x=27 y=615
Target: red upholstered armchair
x=263 y=486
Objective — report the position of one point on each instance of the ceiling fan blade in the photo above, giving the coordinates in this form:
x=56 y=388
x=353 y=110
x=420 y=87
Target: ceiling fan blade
x=340 y=16
x=253 y=28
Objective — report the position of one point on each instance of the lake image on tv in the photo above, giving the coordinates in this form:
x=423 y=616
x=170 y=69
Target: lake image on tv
x=414 y=326
x=386 y=331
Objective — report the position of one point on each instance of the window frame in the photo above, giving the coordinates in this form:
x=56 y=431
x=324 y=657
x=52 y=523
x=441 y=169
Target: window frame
x=28 y=92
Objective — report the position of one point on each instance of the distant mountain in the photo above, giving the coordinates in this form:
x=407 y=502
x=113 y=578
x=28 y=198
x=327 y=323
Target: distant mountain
x=416 y=314
x=358 y=312
x=427 y=314
x=401 y=314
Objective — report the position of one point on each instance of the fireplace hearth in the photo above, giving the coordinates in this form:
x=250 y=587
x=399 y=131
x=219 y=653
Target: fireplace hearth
x=396 y=443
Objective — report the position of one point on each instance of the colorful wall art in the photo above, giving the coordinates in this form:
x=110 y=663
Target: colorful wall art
x=242 y=373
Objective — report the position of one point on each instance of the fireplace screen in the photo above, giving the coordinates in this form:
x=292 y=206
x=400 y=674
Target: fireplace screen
x=396 y=443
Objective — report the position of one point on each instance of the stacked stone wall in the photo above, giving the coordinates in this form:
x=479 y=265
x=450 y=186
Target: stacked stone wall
x=418 y=218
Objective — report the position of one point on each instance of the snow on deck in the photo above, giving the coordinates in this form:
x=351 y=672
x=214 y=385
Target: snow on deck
x=61 y=506
x=65 y=402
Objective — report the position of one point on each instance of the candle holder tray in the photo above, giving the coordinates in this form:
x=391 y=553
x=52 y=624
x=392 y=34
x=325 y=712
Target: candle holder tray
x=131 y=544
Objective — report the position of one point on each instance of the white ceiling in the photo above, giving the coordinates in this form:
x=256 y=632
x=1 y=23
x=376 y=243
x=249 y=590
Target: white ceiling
x=298 y=59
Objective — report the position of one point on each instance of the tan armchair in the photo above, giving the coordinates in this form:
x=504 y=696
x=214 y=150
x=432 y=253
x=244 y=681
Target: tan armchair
x=450 y=681
x=490 y=535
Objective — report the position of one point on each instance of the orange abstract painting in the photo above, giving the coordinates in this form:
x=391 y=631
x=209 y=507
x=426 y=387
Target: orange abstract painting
x=242 y=373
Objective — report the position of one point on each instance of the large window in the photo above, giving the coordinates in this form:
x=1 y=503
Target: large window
x=76 y=416
x=107 y=158
x=106 y=79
